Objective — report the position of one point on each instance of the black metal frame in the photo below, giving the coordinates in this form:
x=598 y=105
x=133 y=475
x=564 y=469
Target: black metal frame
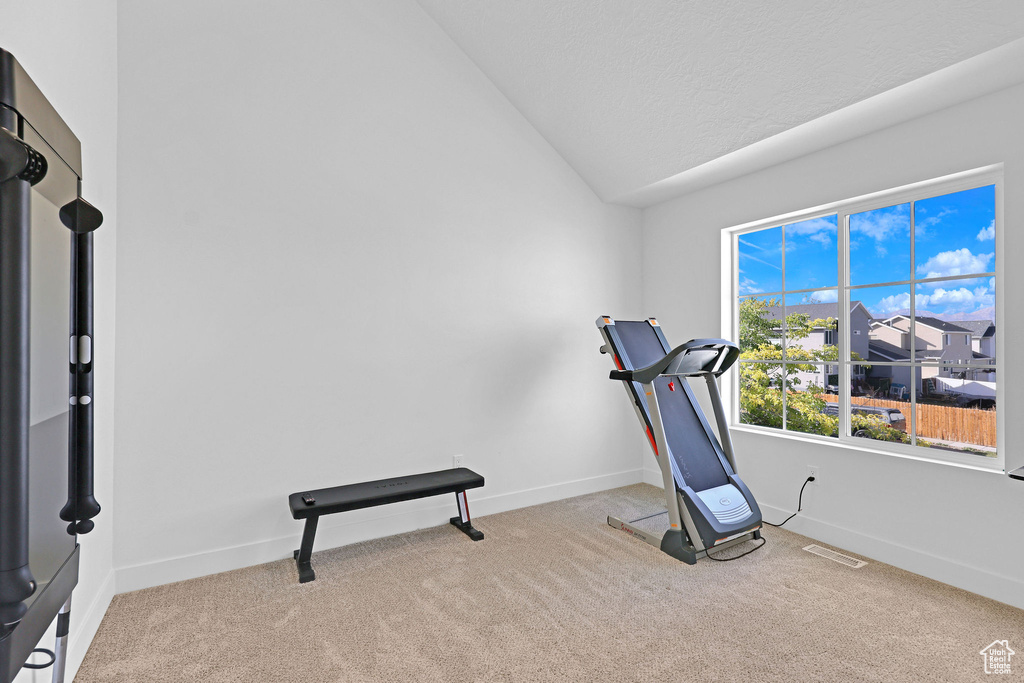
x=311 y=505
x=24 y=109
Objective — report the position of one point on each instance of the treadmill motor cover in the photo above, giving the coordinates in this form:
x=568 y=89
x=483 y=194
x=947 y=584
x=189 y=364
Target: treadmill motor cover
x=726 y=503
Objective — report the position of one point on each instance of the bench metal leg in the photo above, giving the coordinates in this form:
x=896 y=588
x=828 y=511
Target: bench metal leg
x=462 y=522
x=303 y=554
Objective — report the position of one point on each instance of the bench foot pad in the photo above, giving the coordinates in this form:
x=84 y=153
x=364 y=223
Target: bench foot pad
x=467 y=529
x=306 y=573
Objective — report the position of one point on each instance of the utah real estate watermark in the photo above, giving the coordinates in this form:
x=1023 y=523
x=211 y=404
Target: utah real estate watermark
x=997 y=657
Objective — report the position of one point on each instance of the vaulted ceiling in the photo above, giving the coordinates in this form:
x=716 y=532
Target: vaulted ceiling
x=633 y=92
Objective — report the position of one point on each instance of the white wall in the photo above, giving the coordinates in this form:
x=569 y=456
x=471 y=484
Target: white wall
x=952 y=524
x=349 y=257
x=70 y=51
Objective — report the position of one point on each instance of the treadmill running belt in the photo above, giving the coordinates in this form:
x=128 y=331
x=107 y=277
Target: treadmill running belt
x=640 y=343
x=695 y=456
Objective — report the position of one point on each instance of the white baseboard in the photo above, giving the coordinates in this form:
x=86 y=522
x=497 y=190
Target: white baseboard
x=654 y=478
x=84 y=624
x=341 y=530
x=1005 y=589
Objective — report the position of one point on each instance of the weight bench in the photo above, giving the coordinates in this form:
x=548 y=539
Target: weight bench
x=310 y=505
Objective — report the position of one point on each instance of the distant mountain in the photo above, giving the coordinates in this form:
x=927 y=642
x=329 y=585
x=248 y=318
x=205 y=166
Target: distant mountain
x=987 y=313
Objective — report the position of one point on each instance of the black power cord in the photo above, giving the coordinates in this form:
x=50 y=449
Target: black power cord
x=730 y=559
x=799 y=504
x=42 y=650
x=799 y=507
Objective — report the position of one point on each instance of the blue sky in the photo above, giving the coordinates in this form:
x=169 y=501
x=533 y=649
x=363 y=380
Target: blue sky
x=954 y=236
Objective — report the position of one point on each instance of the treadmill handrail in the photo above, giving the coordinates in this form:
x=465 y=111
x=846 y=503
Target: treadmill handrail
x=684 y=361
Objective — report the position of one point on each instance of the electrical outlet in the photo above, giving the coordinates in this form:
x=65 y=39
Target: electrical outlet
x=814 y=471
x=457 y=461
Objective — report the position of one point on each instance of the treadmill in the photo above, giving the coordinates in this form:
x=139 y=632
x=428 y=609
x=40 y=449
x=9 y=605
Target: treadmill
x=708 y=505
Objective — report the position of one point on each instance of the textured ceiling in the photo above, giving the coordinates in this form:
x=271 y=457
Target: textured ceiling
x=633 y=92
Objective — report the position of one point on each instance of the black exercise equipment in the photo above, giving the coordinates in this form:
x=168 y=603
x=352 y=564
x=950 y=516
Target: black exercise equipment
x=708 y=505
x=311 y=505
x=46 y=370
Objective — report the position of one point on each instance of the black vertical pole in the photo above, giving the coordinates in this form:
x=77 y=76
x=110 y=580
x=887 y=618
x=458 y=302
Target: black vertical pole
x=87 y=505
x=81 y=218
x=69 y=513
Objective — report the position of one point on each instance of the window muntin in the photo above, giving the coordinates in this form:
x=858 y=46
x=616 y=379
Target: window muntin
x=937 y=242
x=787 y=335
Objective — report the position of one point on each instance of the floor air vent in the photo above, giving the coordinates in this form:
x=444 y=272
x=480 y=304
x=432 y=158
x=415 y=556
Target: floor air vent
x=835 y=557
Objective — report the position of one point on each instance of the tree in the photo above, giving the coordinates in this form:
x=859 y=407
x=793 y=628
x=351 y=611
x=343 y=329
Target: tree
x=762 y=383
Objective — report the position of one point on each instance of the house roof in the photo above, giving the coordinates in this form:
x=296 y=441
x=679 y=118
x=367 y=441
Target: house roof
x=978 y=328
x=880 y=350
x=941 y=324
x=812 y=311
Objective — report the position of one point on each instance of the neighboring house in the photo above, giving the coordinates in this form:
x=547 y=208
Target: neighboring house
x=983 y=343
x=827 y=335
x=946 y=344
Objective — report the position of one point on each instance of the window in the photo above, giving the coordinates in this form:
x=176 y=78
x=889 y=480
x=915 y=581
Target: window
x=788 y=311
x=849 y=312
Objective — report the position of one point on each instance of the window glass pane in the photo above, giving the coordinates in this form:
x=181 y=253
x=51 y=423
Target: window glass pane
x=889 y=382
x=954 y=234
x=812 y=254
x=812 y=323
x=807 y=404
x=875 y=412
x=760 y=261
x=880 y=323
x=880 y=245
x=956 y=409
x=957 y=320
x=761 y=394
x=761 y=327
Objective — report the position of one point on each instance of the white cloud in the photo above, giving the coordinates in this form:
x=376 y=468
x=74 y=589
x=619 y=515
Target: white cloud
x=826 y=296
x=960 y=300
x=891 y=304
x=761 y=261
x=956 y=262
x=748 y=286
x=882 y=224
x=822 y=238
x=749 y=244
x=921 y=224
x=987 y=233
x=941 y=301
x=812 y=227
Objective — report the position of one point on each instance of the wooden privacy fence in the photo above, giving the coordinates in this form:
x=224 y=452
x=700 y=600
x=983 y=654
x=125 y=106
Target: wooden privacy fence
x=949 y=423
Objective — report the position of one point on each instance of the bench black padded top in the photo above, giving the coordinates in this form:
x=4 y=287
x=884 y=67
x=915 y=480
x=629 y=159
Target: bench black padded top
x=384 y=491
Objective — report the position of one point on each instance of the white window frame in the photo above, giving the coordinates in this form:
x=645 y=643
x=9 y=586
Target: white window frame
x=988 y=175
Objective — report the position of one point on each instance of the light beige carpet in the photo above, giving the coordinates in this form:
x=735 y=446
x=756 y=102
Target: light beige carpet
x=553 y=594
